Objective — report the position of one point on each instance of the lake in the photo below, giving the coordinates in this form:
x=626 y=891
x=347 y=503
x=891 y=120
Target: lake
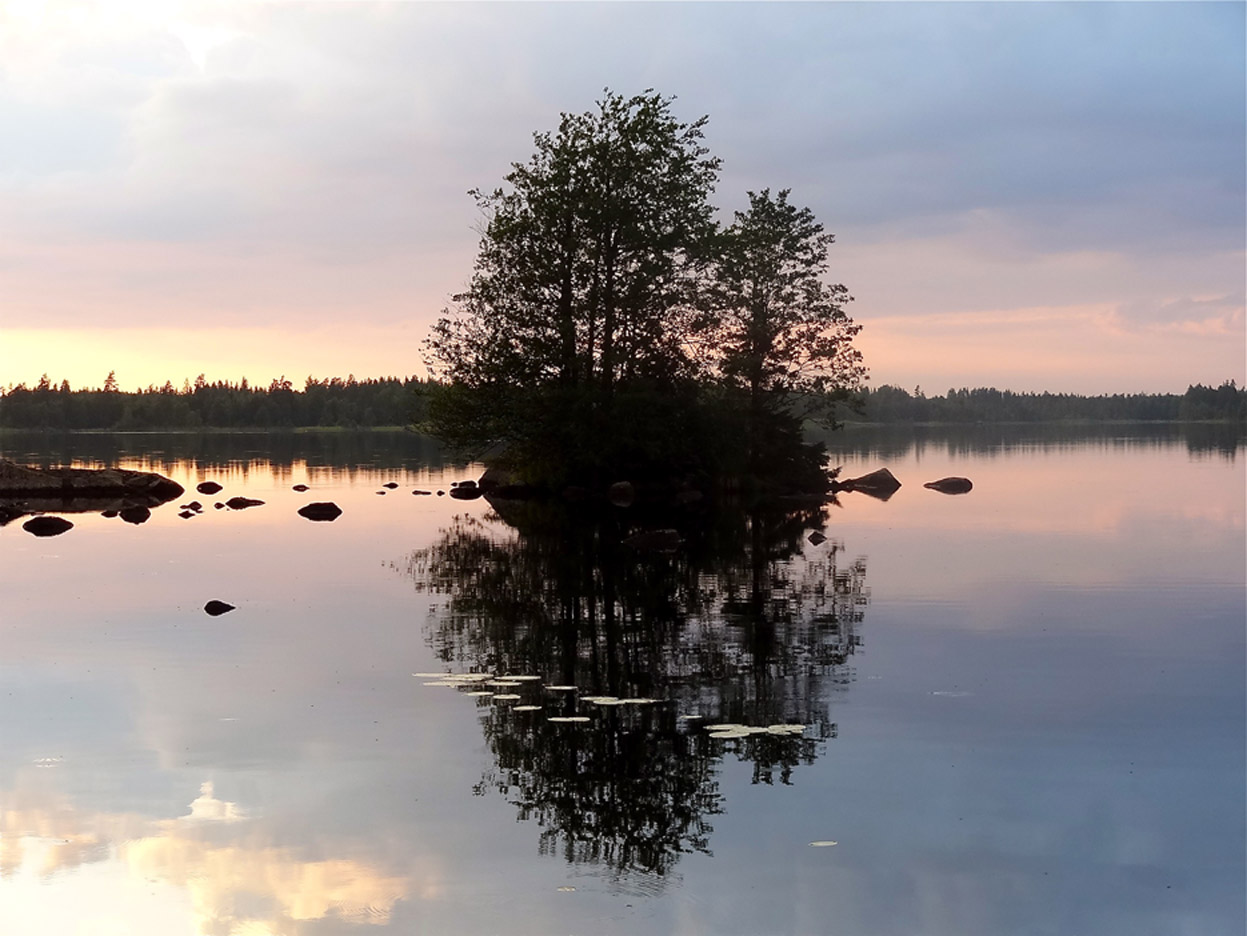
x=1014 y=711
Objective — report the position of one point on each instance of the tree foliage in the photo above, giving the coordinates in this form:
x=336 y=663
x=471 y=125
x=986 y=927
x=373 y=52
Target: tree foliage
x=605 y=294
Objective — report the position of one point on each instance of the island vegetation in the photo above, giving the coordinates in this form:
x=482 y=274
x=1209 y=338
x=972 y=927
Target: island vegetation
x=614 y=328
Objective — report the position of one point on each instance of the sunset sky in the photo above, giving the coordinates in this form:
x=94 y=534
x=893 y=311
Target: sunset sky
x=1024 y=195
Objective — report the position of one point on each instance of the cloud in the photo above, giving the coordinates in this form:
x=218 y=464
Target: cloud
x=266 y=164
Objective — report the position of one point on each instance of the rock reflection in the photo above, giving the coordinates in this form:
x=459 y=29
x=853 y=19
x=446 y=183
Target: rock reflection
x=744 y=623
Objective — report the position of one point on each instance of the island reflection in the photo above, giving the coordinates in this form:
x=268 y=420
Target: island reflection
x=747 y=622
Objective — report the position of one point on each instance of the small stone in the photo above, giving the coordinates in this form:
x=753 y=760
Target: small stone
x=47 y=526
x=217 y=608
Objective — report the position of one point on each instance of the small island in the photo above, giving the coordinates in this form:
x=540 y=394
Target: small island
x=614 y=331
x=25 y=490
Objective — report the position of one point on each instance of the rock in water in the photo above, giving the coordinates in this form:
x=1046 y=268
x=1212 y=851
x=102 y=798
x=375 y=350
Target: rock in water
x=322 y=510
x=950 y=485
x=242 y=503
x=47 y=526
x=299 y=487
x=135 y=514
x=390 y=484
x=208 y=487
x=881 y=484
x=464 y=492
x=217 y=608
x=816 y=538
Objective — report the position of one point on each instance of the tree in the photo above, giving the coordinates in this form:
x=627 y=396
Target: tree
x=110 y=382
x=610 y=327
x=784 y=339
x=588 y=257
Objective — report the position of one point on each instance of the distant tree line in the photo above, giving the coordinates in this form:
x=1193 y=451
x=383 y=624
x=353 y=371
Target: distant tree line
x=349 y=403
x=889 y=404
x=390 y=401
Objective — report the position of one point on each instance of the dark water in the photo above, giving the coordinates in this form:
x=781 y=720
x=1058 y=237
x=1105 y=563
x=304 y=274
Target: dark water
x=1021 y=710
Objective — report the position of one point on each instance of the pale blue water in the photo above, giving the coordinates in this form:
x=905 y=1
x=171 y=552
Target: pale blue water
x=1025 y=705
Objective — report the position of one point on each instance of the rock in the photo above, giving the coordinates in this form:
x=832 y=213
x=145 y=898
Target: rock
x=418 y=491
x=208 y=487
x=441 y=493
x=193 y=505
x=218 y=506
x=242 y=503
x=47 y=526
x=657 y=540
x=950 y=485
x=10 y=512
x=817 y=538
x=82 y=484
x=390 y=484
x=384 y=492
x=217 y=608
x=466 y=492
x=495 y=477
x=321 y=510
x=135 y=515
x=621 y=493
x=881 y=484
x=186 y=514
x=469 y=484
x=109 y=514
x=299 y=487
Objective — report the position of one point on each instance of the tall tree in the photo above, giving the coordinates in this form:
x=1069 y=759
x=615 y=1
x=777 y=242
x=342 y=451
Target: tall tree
x=587 y=258
x=784 y=338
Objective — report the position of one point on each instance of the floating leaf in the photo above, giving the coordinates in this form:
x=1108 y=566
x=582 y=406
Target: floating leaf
x=560 y=688
x=725 y=726
x=826 y=843
x=506 y=697
x=441 y=682
x=600 y=698
x=526 y=708
x=569 y=718
x=521 y=678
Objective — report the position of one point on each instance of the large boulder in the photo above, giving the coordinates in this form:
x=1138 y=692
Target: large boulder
x=68 y=483
x=880 y=483
x=321 y=510
x=950 y=485
x=47 y=526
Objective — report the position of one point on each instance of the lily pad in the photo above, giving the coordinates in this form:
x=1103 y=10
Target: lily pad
x=569 y=718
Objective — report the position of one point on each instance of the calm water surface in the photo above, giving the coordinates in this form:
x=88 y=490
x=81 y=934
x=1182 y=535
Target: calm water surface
x=1023 y=707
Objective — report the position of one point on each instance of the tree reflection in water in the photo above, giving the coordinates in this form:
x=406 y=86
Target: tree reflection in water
x=745 y=623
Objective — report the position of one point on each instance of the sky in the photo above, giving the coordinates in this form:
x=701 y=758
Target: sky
x=1029 y=196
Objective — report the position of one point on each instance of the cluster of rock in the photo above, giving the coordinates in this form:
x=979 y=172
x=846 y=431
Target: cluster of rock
x=882 y=484
x=121 y=492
